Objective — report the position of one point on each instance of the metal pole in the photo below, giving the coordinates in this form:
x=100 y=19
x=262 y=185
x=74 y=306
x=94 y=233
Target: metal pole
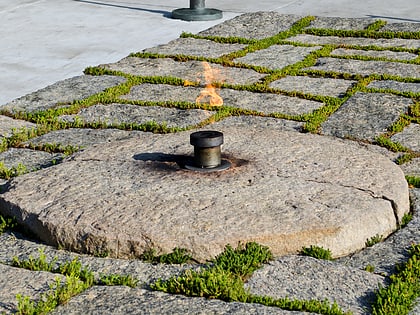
x=197 y=4
x=197 y=12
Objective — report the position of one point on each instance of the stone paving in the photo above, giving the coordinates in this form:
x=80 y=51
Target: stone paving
x=348 y=81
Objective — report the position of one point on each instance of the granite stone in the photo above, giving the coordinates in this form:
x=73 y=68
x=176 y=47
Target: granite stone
x=339 y=23
x=8 y=125
x=409 y=137
x=396 y=86
x=397 y=55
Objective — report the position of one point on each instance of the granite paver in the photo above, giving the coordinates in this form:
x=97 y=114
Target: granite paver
x=295 y=101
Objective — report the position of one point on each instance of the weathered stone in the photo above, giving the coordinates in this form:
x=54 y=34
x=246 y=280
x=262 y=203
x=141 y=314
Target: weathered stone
x=366 y=115
x=266 y=103
x=367 y=67
x=316 y=86
x=65 y=91
x=257 y=122
x=256 y=25
x=31 y=159
x=189 y=70
x=116 y=114
x=124 y=300
x=285 y=190
x=355 y=41
x=195 y=47
x=412 y=168
x=15 y=281
x=307 y=278
x=401 y=27
x=7 y=125
x=395 y=85
x=397 y=55
x=269 y=57
x=409 y=137
x=338 y=23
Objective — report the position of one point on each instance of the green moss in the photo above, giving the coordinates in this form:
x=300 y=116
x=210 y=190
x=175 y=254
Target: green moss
x=316 y=252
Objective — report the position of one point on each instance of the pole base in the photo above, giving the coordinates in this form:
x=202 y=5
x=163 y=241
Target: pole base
x=205 y=14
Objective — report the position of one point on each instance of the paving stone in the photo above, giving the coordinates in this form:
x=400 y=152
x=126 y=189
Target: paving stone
x=189 y=70
x=82 y=137
x=31 y=159
x=256 y=25
x=395 y=85
x=385 y=256
x=257 y=122
x=316 y=86
x=397 y=55
x=401 y=27
x=367 y=67
x=355 y=41
x=338 y=23
x=196 y=47
x=326 y=189
x=409 y=137
x=412 y=168
x=306 y=278
x=7 y=125
x=116 y=114
x=269 y=57
x=15 y=281
x=123 y=300
x=365 y=115
x=65 y=91
x=266 y=103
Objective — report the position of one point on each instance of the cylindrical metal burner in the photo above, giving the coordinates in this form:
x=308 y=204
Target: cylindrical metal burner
x=207 y=151
x=197 y=12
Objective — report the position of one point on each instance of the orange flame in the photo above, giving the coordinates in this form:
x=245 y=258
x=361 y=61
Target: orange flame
x=209 y=94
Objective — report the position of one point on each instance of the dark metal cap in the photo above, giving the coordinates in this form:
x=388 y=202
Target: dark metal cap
x=206 y=138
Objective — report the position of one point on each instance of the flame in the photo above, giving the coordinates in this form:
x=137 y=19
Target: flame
x=209 y=94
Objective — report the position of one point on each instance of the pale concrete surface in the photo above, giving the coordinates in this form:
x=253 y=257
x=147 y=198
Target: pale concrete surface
x=44 y=41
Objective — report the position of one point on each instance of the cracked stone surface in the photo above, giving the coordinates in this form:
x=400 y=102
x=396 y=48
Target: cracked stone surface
x=138 y=184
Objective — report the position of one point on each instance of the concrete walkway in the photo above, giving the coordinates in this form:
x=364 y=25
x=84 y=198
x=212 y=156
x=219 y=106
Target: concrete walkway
x=44 y=41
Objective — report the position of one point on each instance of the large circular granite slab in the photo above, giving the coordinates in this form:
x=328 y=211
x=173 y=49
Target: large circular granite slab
x=284 y=190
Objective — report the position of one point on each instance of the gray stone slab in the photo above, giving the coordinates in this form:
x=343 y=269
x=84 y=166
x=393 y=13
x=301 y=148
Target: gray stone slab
x=256 y=25
x=127 y=196
x=315 y=86
x=367 y=67
x=266 y=103
x=189 y=70
x=365 y=115
x=300 y=277
x=409 y=137
x=355 y=41
x=385 y=256
x=257 y=122
x=196 y=47
x=82 y=137
x=397 y=55
x=395 y=85
x=15 y=281
x=401 y=27
x=123 y=300
x=339 y=23
x=7 y=125
x=65 y=91
x=116 y=114
x=276 y=56
x=412 y=168
x=31 y=159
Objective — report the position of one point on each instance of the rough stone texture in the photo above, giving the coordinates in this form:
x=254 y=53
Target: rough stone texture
x=195 y=47
x=65 y=91
x=269 y=57
x=316 y=86
x=7 y=125
x=385 y=256
x=325 y=189
x=306 y=278
x=365 y=115
x=337 y=23
x=262 y=102
x=257 y=122
x=116 y=114
x=374 y=53
x=401 y=27
x=395 y=85
x=412 y=168
x=189 y=70
x=409 y=137
x=15 y=281
x=256 y=25
x=367 y=67
x=31 y=159
x=355 y=41
x=123 y=300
